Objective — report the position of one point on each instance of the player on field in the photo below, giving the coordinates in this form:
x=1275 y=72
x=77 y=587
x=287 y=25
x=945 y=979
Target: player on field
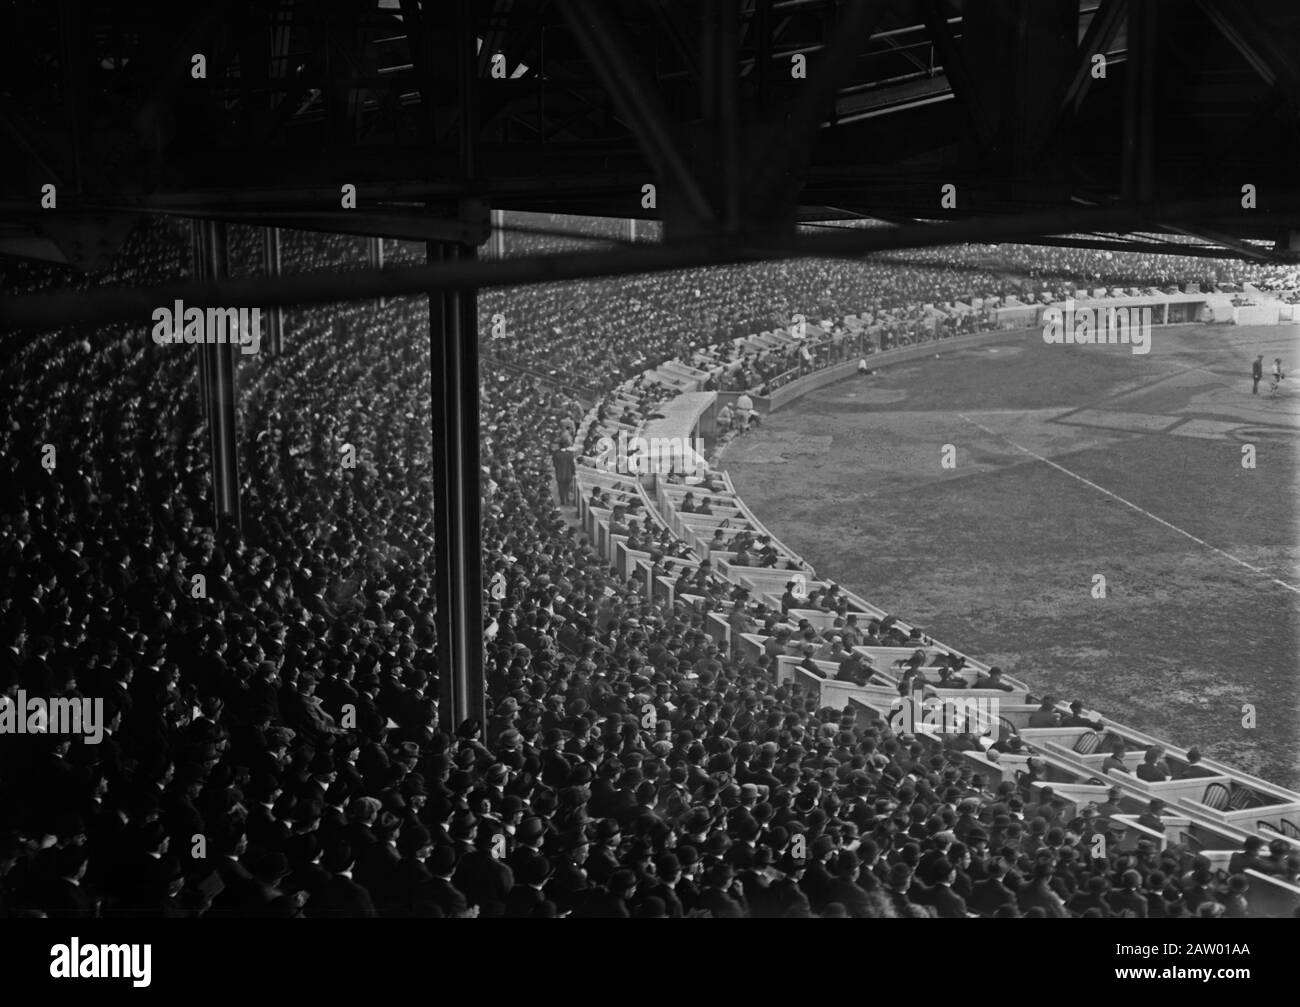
x=1277 y=376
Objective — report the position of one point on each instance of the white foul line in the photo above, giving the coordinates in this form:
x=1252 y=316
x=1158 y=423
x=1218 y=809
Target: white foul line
x=1127 y=503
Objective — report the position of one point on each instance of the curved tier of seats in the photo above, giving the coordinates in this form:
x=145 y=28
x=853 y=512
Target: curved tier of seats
x=288 y=714
x=1220 y=805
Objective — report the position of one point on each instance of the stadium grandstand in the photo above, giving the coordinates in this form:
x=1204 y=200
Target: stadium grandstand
x=273 y=650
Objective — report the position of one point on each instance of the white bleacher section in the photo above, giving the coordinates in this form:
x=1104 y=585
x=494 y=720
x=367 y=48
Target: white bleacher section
x=1213 y=812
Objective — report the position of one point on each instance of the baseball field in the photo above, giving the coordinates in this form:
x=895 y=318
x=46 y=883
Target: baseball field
x=985 y=493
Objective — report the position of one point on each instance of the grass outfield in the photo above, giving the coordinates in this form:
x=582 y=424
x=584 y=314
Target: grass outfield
x=997 y=556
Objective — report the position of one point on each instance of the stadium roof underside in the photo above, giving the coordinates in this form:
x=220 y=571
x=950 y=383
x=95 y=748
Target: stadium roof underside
x=1130 y=124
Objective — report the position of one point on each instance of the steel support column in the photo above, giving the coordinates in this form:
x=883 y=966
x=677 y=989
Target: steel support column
x=217 y=370
x=275 y=316
x=375 y=257
x=453 y=360
x=458 y=590
x=498 y=247
x=198 y=269
x=1139 y=110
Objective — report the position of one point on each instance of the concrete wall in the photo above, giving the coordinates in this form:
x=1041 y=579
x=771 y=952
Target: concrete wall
x=1256 y=314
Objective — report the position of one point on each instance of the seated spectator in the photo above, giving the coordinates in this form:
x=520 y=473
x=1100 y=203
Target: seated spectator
x=1045 y=715
x=1114 y=763
x=993 y=680
x=1194 y=769
x=1151 y=817
x=1153 y=768
x=1248 y=857
x=1077 y=719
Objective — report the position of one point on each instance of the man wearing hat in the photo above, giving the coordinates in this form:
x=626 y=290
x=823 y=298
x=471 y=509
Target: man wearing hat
x=991 y=894
x=413 y=892
x=1129 y=895
x=612 y=902
x=817 y=879
x=485 y=880
x=946 y=902
x=845 y=889
x=340 y=896
x=526 y=895
x=442 y=892
x=663 y=886
x=529 y=838
x=1110 y=807
x=602 y=859
x=721 y=895
x=1089 y=823
x=1045 y=715
x=1151 y=819
x=1235 y=905
x=1077 y=719
x=1248 y=858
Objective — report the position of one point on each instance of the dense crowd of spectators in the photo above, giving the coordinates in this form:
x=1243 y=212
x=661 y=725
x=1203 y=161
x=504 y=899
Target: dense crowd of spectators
x=271 y=743
x=601 y=330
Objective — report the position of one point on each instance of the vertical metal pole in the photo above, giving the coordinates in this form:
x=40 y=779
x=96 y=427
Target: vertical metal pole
x=1139 y=81
x=375 y=255
x=198 y=267
x=275 y=317
x=467 y=76
x=453 y=354
x=453 y=349
x=218 y=363
x=498 y=247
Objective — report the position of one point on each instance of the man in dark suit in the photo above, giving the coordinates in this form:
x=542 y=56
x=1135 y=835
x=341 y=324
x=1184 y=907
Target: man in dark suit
x=1128 y=896
x=1092 y=896
x=989 y=895
x=526 y=895
x=721 y=896
x=1193 y=769
x=668 y=872
x=846 y=891
x=1077 y=719
x=947 y=903
x=817 y=880
x=304 y=853
x=1248 y=858
x=556 y=765
x=413 y=889
x=485 y=880
x=530 y=835
x=610 y=904
x=63 y=898
x=341 y=896
x=450 y=899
